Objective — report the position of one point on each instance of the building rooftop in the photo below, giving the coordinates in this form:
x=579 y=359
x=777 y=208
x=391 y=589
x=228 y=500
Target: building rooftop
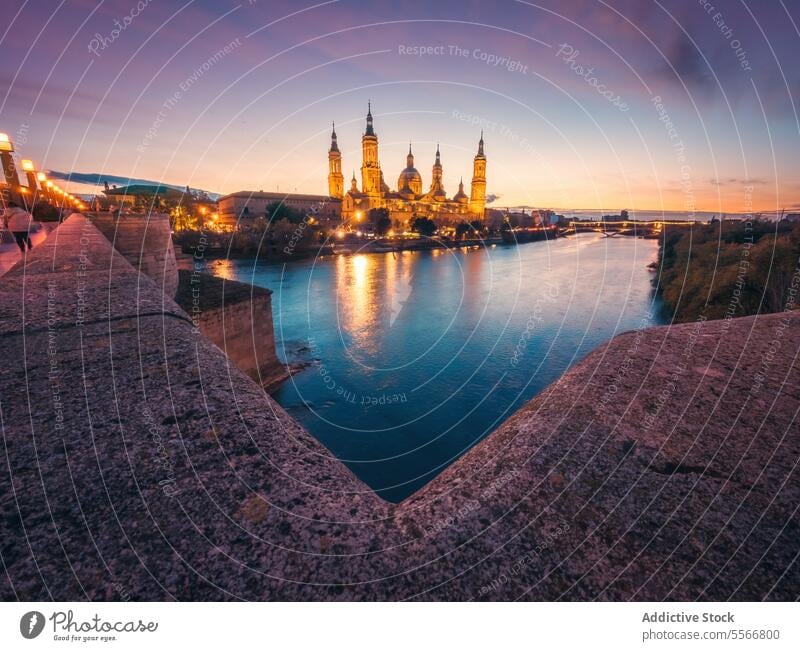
x=277 y=196
x=139 y=188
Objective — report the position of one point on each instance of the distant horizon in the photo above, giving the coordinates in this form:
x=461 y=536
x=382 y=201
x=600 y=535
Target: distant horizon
x=495 y=205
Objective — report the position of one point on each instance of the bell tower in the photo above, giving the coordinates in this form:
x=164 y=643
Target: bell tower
x=335 y=177
x=437 y=185
x=477 y=197
x=370 y=166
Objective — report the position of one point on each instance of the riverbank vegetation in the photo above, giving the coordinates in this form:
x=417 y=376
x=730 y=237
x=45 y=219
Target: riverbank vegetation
x=729 y=269
x=287 y=232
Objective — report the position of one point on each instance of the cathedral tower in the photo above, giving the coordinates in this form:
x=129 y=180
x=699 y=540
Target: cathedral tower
x=370 y=166
x=335 y=177
x=477 y=198
x=437 y=186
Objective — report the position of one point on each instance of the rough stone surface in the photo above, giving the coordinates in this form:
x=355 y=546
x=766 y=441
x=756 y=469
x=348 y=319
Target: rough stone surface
x=237 y=317
x=145 y=241
x=139 y=463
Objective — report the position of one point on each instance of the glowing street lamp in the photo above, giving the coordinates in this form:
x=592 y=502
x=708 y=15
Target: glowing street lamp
x=41 y=178
x=30 y=173
x=9 y=169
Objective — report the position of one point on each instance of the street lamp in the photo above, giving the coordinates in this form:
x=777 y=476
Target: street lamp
x=41 y=179
x=9 y=169
x=30 y=173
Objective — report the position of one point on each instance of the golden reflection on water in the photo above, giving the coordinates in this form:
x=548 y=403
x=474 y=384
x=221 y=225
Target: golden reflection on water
x=372 y=291
x=225 y=269
x=358 y=300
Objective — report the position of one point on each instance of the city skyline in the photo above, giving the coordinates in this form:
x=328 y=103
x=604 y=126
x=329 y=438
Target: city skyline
x=595 y=106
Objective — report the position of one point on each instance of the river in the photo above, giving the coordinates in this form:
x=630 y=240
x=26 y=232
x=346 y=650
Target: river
x=415 y=357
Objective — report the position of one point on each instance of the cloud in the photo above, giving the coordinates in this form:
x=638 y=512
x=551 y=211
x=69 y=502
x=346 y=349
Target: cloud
x=731 y=180
x=686 y=61
x=491 y=198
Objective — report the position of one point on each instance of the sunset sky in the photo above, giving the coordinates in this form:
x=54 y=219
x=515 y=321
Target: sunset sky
x=230 y=96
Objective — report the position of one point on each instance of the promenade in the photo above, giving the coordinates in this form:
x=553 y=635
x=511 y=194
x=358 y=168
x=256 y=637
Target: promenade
x=9 y=251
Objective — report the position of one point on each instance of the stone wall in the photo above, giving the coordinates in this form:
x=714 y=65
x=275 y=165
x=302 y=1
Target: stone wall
x=139 y=463
x=145 y=241
x=237 y=317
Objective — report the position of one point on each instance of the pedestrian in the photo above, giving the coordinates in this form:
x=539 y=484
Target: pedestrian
x=18 y=221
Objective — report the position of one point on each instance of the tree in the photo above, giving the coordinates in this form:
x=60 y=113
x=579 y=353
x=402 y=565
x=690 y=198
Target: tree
x=279 y=210
x=379 y=218
x=478 y=226
x=712 y=271
x=424 y=226
x=182 y=219
x=462 y=228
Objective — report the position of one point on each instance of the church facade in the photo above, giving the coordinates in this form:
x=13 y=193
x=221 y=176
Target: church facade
x=410 y=200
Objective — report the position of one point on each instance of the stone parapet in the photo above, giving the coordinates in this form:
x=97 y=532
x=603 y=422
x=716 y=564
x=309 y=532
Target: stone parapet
x=145 y=241
x=140 y=464
x=237 y=317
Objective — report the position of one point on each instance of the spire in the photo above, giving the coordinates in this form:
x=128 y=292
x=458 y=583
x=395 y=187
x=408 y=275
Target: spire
x=438 y=159
x=370 y=131
x=480 y=145
x=334 y=144
x=410 y=157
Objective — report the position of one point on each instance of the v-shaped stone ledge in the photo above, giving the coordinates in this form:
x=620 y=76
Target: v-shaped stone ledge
x=140 y=463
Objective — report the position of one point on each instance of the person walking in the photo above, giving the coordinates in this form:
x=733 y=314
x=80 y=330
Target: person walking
x=18 y=221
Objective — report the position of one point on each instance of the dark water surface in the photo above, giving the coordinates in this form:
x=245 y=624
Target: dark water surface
x=415 y=357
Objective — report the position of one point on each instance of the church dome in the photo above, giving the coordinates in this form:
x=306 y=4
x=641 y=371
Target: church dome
x=410 y=177
x=461 y=196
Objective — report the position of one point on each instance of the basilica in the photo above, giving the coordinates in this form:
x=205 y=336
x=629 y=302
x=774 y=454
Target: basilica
x=410 y=200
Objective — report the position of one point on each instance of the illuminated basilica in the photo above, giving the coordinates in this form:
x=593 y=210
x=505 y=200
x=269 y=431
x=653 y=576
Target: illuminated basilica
x=409 y=201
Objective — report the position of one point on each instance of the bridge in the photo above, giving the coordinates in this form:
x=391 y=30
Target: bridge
x=621 y=227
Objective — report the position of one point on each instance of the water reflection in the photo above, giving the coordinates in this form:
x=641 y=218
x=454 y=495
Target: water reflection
x=417 y=356
x=227 y=269
x=356 y=303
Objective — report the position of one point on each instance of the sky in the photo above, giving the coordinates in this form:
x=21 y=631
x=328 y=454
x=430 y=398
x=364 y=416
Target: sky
x=672 y=105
